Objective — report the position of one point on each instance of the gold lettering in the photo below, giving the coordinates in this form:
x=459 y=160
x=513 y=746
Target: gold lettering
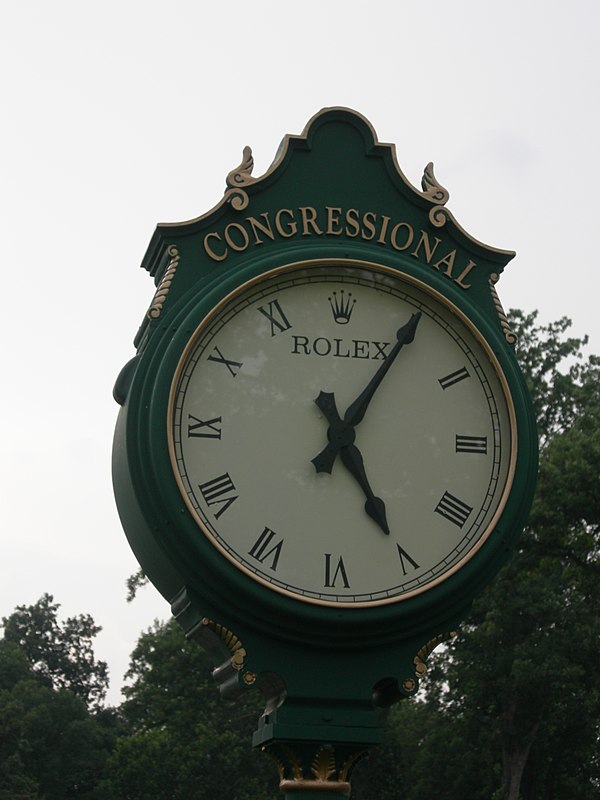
x=245 y=240
x=309 y=217
x=410 y=235
x=292 y=228
x=211 y=253
x=429 y=250
x=368 y=219
x=352 y=216
x=448 y=261
x=263 y=228
x=384 y=227
x=471 y=265
x=333 y=218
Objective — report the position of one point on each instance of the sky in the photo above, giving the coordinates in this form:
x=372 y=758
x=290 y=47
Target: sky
x=120 y=115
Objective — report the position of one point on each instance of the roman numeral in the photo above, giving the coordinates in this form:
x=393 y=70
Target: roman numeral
x=340 y=572
x=218 y=491
x=205 y=429
x=232 y=366
x=404 y=555
x=454 y=377
x=471 y=444
x=453 y=509
x=279 y=321
x=265 y=548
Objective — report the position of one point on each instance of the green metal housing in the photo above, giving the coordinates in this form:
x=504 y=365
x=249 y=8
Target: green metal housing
x=334 y=192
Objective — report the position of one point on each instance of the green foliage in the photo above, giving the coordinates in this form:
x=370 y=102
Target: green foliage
x=185 y=741
x=134 y=583
x=51 y=746
x=61 y=654
x=552 y=366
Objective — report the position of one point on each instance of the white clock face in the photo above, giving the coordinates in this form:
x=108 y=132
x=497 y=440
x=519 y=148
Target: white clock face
x=421 y=426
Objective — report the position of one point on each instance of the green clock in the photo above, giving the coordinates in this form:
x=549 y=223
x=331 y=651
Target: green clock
x=341 y=433
x=325 y=448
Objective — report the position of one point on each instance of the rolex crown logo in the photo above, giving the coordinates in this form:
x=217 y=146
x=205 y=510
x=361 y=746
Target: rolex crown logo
x=342 y=307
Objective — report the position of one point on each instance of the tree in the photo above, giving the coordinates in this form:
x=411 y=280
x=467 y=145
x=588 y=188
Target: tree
x=52 y=746
x=184 y=740
x=527 y=662
x=513 y=703
x=60 y=654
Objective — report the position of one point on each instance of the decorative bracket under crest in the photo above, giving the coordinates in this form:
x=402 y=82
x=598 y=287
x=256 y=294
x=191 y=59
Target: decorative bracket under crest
x=420 y=660
x=240 y=176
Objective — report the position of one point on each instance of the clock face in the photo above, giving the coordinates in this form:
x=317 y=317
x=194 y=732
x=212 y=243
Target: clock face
x=341 y=433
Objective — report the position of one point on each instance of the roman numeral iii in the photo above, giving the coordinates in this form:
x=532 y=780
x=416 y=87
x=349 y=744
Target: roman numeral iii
x=471 y=444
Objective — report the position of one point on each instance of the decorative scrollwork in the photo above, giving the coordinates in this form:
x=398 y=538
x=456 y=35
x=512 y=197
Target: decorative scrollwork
x=420 y=660
x=230 y=640
x=438 y=194
x=432 y=188
x=509 y=335
x=238 y=177
x=160 y=296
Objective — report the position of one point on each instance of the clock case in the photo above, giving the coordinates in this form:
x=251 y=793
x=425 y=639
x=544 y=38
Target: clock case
x=324 y=670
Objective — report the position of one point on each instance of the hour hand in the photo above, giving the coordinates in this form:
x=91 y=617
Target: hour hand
x=374 y=506
x=338 y=433
x=326 y=403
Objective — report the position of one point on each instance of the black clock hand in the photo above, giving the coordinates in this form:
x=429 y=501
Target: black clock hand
x=374 y=506
x=338 y=433
x=341 y=432
x=405 y=335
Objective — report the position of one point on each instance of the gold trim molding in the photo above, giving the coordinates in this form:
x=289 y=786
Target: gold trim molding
x=509 y=335
x=323 y=774
x=161 y=293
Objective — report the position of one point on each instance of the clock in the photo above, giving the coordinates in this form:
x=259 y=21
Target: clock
x=341 y=433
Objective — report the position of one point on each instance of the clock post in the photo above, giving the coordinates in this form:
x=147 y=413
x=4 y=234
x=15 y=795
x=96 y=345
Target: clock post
x=325 y=448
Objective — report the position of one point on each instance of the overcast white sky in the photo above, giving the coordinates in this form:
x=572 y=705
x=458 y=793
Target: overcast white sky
x=119 y=115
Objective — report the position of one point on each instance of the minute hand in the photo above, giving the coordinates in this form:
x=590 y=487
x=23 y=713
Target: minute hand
x=356 y=410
